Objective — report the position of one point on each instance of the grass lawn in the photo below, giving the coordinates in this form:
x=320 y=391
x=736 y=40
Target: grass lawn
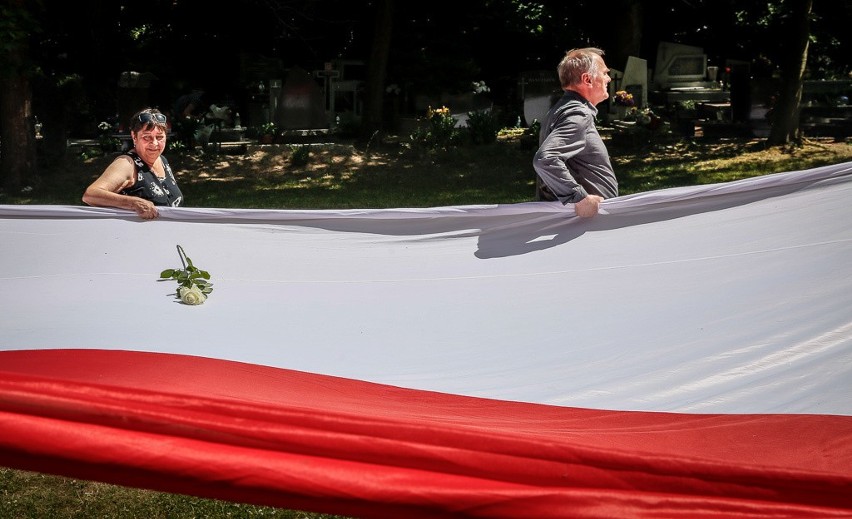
x=394 y=173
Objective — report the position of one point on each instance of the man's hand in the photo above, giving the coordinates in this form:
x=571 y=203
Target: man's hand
x=588 y=206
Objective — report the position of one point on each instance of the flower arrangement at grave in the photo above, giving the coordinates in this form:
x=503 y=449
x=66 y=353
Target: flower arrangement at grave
x=624 y=98
x=645 y=117
x=640 y=127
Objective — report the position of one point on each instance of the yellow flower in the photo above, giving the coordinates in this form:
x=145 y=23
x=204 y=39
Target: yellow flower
x=438 y=111
x=623 y=98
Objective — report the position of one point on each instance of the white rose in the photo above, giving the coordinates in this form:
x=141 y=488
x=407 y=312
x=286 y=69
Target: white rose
x=192 y=295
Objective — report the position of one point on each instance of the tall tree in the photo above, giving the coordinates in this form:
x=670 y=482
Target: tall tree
x=492 y=40
x=17 y=135
x=621 y=35
x=785 y=121
x=377 y=69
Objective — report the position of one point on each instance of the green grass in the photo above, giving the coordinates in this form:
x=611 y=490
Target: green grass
x=30 y=495
x=390 y=177
x=393 y=174
x=343 y=176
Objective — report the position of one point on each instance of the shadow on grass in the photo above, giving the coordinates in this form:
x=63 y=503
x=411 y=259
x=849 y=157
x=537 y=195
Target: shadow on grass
x=403 y=176
x=379 y=179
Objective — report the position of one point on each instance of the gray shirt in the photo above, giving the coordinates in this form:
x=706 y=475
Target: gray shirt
x=572 y=160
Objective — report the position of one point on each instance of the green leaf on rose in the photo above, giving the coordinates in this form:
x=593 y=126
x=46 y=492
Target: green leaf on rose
x=189 y=277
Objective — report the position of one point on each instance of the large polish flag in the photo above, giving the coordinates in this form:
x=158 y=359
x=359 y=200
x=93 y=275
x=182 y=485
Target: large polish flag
x=686 y=353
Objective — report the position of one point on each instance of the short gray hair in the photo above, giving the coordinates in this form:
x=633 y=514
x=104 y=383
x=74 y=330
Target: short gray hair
x=576 y=63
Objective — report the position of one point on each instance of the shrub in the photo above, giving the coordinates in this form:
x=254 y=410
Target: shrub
x=483 y=126
x=440 y=130
x=300 y=156
x=185 y=129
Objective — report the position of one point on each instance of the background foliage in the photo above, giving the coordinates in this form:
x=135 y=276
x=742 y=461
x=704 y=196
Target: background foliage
x=190 y=43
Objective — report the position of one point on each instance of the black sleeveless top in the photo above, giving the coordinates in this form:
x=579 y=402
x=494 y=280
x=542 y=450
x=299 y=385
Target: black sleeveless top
x=150 y=187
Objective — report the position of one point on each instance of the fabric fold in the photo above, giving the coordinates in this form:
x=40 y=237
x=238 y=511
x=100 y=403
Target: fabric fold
x=377 y=450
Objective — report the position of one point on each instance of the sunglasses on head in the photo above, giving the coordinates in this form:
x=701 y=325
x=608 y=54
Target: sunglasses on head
x=149 y=118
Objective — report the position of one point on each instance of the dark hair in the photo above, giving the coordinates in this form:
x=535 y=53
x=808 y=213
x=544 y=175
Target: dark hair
x=148 y=119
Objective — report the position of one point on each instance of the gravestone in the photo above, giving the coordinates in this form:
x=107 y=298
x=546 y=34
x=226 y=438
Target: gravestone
x=539 y=91
x=635 y=80
x=301 y=104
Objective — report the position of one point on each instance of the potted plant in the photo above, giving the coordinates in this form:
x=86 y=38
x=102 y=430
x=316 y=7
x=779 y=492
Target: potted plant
x=624 y=102
x=267 y=132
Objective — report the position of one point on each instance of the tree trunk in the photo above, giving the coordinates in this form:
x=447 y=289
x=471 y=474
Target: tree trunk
x=17 y=135
x=52 y=105
x=785 y=118
x=376 y=70
x=628 y=33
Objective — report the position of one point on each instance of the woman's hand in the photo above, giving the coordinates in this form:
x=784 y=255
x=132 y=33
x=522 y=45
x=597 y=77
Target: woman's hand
x=144 y=208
